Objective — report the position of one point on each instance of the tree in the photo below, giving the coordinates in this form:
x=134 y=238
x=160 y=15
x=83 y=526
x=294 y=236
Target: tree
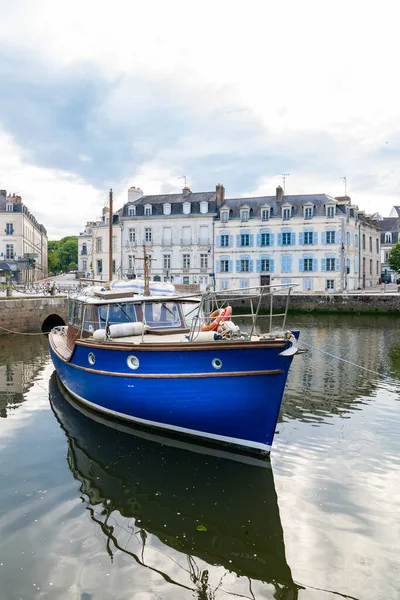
x=394 y=258
x=61 y=253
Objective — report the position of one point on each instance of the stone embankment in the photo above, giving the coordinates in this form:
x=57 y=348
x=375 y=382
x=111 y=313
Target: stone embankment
x=32 y=315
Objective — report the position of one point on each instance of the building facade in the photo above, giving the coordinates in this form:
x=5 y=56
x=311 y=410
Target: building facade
x=309 y=240
x=23 y=241
x=390 y=235
x=85 y=250
x=175 y=229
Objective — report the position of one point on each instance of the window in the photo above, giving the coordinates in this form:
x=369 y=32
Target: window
x=204 y=235
x=203 y=261
x=9 y=229
x=167 y=209
x=330 y=212
x=114 y=242
x=224 y=266
x=186 y=261
x=99 y=244
x=147 y=210
x=203 y=207
x=264 y=214
x=147 y=234
x=348 y=237
x=10 y=207
x=244 y=239
x=356 y=239
x=99 y=266
x=331 y=237
x=84 y=249
x=132 y=235
x=244 y=284
x=224 y=216
x=113 y=266
x=131 y=261
x=377 y=245
x=308 y=212
x=286 y=263
x=286 y=239
x=84 y=265
x=370 y=243
x=308 y=264
x=224 y=240
x=308 y=237
x=265 y=239
x=286 y=214
x=244 y=265
x=363 y=241
x=186 y=208
x=330 y=284
x=244 y=214
x=224 y=284
x=330 y=264
x=167 y=236
x=377 y=267
x=387 y=256
x=265 y=264
x=9 y=250
x=307 y=285
x=132 y=211
x=167 y=261
x=370 y=267
x=186 y=281
x=388 y=238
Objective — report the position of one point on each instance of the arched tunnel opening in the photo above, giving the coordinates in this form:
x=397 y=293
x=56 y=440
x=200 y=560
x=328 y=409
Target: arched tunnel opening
x=50 y=322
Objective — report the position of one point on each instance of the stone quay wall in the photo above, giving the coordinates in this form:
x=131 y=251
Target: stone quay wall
x=32 y=315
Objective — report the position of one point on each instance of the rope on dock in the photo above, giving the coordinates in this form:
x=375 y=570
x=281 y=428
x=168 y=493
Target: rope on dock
x=349 y=362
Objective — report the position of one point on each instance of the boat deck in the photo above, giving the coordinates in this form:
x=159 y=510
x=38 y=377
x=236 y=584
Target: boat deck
x=59 y=343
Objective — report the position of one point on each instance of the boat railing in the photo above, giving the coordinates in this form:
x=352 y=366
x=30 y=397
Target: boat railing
x=257 y=298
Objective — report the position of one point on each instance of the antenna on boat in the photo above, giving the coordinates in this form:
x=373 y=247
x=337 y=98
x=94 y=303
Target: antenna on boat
x=110 y=232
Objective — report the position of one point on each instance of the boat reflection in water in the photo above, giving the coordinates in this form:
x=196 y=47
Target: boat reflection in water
x=214 y=507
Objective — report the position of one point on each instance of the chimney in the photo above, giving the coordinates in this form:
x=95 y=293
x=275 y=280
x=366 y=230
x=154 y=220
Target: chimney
x=220 y=194
x=279 y=194
x=134 y=193
x=4 y=192
x=343 y=199
x=186 y=191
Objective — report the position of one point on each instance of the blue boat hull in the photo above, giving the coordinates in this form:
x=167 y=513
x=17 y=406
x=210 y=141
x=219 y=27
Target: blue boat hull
x=181 y=392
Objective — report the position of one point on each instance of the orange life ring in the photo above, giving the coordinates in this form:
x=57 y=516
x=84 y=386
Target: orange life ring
x=227 y=313
x=217 y=315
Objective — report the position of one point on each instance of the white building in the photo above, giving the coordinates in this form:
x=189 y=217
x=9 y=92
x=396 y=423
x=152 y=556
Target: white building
x=390 y=228
x=23 y=241
x=85 y=250
x=177 y=231
x=310 y=240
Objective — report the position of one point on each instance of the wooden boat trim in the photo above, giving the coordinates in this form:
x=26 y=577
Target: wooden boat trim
x=182 y=346
x=179 y=375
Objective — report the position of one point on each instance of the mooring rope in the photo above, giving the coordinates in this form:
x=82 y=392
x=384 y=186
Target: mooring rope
x=349 y=362
x=22 y=332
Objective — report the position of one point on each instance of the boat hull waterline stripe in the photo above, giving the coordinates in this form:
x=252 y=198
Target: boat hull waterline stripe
x=193 y=432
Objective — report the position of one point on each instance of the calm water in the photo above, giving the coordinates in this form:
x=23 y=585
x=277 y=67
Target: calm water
x=88 y=511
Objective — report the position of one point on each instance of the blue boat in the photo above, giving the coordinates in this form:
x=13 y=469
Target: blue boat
x=183 y=364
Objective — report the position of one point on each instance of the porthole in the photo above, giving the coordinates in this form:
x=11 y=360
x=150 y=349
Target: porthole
x=216 y=363
x=132 y=362
x=91 y=358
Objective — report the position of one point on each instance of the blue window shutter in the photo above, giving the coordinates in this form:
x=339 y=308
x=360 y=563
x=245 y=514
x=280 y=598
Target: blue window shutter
x=258 y=239
x=283 y=268
x=356 y=264
x=337 y=264
x=301 y=239
x=323 y=237
x=230 y=266
x=293 y=239
x=315 y=264
x=250 y=266
x=301 y=265
x=258 y=266
x=218 y=241
x=218 y=264
x=251 y=239
x=231 y=241
x=290 y=263
x=238 y=266
x=323 y=264
x=279 y=239
x=238 y=240
x=315 y=238
x=271 y=239
x=271 y=266
x=338 y=237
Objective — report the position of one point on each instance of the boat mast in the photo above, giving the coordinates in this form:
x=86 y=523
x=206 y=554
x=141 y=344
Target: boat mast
x=110 y=232
x=146 y=272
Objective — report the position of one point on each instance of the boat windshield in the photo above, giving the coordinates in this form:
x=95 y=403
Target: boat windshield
x=156 y=314
x=162 y=314
x=118 y=313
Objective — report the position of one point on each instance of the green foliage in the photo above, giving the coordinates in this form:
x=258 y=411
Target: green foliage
x=62 y=254
x=394 y=258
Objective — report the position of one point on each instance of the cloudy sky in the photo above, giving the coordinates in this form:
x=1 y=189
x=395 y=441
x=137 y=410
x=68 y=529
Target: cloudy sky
x=97 y=94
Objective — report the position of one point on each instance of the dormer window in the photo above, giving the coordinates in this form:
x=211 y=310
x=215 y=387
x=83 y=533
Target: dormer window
x=186 y=208
x=244 y=214
x=132 y=211
x=167 y=209
x=308 y=212
x=204 y=207
x=330 y=211
x=224 y=216
x=264 y=214
x=286 y=213
x=388 y=238
x=147 y=210
x=9 y=207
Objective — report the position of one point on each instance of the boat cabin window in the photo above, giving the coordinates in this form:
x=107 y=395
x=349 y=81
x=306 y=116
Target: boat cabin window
x=162 y=314
x=75 y=313
x=89 y=318
x=119 y=313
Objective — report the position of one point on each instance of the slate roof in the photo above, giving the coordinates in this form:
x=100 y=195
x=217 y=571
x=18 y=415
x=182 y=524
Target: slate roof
x=176 y=201
x=388 y=224
x=397 y=209
x=19 y=207
x=296 y=201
